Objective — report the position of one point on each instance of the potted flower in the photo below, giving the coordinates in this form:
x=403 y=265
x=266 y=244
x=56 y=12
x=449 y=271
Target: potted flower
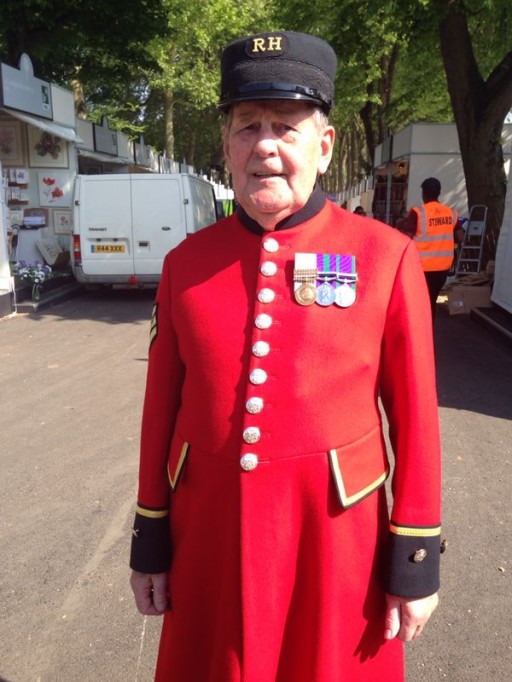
x=36 y=273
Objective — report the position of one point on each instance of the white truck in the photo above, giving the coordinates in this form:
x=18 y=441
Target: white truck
x=124 y=224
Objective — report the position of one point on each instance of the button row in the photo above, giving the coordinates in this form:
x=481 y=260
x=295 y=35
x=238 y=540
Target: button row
x=260 y=349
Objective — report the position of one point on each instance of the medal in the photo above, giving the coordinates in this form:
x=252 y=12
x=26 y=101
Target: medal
x=345 y=295
x=325 y=294
x=306 y=294
x=304 y=279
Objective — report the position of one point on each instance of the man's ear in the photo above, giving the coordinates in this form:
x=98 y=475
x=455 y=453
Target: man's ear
x=225 y=146
x=326 y=147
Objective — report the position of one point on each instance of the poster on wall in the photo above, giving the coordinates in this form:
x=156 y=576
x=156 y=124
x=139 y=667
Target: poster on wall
x=62 y=222
x=55 y=188
x=46 y=150
x=11 y=146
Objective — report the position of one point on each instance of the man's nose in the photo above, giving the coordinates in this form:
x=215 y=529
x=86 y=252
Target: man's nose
x=266 y=142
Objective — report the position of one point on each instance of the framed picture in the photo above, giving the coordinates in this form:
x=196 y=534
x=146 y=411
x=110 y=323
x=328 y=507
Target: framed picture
x=46 y=150
x=61 y=222
x=55 y=188
x=11 y=146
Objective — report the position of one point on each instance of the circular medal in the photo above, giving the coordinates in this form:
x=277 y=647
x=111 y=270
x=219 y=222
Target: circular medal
x=326 y=294
x=345 y=296
x=305 y=294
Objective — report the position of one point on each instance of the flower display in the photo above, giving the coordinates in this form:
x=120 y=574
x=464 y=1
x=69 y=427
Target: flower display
x=35 y=272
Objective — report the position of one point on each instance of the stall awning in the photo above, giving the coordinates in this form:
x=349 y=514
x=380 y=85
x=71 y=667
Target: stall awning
x=48 y=126
x=103 y=158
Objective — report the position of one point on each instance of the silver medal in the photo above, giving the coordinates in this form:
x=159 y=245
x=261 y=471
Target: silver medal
x=345 y=295
x=326 y=294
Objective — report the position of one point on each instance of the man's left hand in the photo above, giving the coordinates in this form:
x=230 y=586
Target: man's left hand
x=406 y=618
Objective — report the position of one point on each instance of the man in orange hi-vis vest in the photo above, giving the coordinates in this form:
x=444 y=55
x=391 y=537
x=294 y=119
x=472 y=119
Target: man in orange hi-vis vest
x=435 y=228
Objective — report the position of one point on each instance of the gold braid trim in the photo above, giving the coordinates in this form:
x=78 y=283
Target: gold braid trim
x=152 y=513
x=415 y=532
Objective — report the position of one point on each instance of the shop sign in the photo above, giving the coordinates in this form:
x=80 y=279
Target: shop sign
x=21 y=90
x=142 y=153
x=105 y=139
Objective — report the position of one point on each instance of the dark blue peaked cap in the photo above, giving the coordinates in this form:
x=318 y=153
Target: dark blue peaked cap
x=278 y=65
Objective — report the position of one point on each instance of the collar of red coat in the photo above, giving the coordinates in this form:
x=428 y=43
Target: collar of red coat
x=314 y=205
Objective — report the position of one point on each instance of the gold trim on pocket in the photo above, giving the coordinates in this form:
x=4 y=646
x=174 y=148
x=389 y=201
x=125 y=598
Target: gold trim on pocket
x=345 y=500
x=173 y=480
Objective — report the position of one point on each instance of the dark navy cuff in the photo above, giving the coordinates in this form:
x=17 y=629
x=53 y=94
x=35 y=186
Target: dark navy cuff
x=151 y=545
x=412 y=566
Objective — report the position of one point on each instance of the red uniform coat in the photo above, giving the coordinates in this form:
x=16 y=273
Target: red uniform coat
x=280 y=560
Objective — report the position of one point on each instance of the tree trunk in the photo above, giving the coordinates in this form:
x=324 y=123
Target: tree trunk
x=479 y=109
x=168 y=122
x=79 y=98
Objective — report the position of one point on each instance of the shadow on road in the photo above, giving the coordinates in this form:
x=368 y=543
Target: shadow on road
x=474 y=367
x=112 y=306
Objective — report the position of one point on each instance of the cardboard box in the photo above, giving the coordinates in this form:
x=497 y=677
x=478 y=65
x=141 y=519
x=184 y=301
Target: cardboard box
x=462 y=298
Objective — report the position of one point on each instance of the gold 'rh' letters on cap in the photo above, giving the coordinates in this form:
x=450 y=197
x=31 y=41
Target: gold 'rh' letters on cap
x=267 y=44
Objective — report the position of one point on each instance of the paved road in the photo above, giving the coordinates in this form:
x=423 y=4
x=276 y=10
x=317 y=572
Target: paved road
x=72 y=380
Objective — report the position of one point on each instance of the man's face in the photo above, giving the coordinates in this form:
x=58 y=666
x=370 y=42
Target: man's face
x=274 y=151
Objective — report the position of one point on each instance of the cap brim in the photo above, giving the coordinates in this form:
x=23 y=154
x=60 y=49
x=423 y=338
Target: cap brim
x=271 y=94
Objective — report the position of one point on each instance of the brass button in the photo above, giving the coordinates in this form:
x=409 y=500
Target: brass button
x=251 y=434
x=254 y=405
x=266 y=295
x=249 y=462
x=419 y=556
x=263 y=321
x=271 y=245
x=268 y=269
x=260 y=349
x=258 y=376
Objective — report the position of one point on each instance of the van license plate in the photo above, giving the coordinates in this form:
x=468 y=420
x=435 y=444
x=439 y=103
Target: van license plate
x=107 y=248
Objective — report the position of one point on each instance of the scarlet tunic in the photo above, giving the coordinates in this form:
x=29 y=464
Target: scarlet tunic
x=263 y=415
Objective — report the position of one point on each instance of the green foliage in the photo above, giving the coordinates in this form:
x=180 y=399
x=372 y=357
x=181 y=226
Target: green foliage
x=152 y=66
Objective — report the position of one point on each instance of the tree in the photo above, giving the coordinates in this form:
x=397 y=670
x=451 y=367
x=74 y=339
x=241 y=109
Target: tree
x=186 y=84
x=99 y=48
x=480 y=104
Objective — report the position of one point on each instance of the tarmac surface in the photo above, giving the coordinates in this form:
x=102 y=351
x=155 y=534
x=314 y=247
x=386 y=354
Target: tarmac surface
x=72 y=380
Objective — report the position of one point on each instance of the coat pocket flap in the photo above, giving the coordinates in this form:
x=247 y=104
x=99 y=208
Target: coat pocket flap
x=177 y=456
x=359 y=468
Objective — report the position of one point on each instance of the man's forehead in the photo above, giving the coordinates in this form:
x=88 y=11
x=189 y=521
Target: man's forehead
x=279 y=107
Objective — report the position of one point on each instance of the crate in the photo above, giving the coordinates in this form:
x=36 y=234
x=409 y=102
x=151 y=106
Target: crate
x=462 y=298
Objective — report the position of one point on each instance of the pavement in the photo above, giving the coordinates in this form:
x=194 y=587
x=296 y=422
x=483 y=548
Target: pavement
x=72 y=379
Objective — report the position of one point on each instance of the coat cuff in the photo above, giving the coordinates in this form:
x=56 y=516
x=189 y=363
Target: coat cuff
x=413 y=561
x=151 y=545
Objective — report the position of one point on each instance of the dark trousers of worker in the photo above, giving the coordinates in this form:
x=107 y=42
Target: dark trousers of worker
x=435 y=282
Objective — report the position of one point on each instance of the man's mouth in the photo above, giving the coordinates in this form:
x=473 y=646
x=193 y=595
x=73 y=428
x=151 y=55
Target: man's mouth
x=268 y=175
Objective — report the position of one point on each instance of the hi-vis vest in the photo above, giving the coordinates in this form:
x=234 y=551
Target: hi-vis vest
x=434 y=235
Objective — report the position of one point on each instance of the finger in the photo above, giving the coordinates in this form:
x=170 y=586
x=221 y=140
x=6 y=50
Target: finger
x=142 y=588
x=160 y=598
x=410 y=625
x=392 y=619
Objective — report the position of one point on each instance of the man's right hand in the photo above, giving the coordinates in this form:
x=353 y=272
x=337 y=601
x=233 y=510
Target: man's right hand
x=150 y=592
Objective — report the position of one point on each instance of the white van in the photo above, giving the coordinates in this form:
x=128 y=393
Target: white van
x=123 y=225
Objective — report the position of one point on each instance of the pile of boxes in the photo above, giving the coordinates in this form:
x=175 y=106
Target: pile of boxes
x=470 y=291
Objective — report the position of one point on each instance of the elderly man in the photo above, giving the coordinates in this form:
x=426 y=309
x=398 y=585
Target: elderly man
x=262 y=529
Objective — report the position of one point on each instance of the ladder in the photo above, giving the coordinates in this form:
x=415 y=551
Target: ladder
x=471 y=250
